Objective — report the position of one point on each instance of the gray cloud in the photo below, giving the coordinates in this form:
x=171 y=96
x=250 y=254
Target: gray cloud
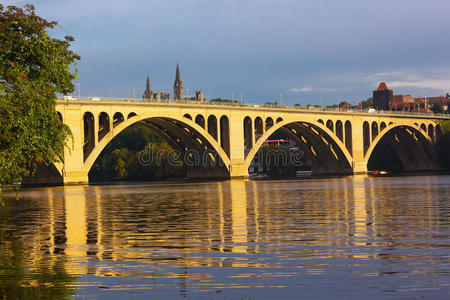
x=305 y=50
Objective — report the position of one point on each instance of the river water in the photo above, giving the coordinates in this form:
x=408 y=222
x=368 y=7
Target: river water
x=350 y=237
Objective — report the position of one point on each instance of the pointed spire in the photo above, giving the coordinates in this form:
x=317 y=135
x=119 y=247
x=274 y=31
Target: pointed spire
x=178 y=85
x=178 y=80
x=148 y=90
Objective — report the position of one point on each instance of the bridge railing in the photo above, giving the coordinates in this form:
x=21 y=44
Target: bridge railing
x=243 y=104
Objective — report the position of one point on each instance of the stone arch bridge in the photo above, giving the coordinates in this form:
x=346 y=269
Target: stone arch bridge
x=336 y=142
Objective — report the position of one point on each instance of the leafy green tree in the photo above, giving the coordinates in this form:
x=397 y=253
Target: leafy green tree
x=437 y=108
x=443 y=145
x=445 y=126
x=33 y=68
x=344 y=104
x=366 y=103
x=120 y=160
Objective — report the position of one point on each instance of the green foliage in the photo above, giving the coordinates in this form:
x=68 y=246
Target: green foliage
x=443 y=150
x=270 y=104
x=134 y=138
x=366 y=103
x=445 y=126
x=120 y=160
x=33 y=68
x=223 y=101
x=443 y=145
x=437 y=108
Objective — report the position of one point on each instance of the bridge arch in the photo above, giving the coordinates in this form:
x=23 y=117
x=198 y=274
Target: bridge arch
x=117 y=119
x=423 y=127
x=177 y=132
x=431 y=131
x=103 y=125
x=348 y=136
x=366 y=136
x=212 y=126
x=322 y=140
x=88 y=133
x=374 y=130
x=259 y=128
x=339 y=130
x=417 y=146
x=269 y=123
x=248 y=134
x=200 y=120
x=225 y=134
x=330 y=125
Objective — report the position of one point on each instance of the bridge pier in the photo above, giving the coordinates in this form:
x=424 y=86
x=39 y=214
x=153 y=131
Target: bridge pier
x=72 y=178
x=359 y=164
x=238 y=169
x=359 y=167
x=73 y=171
x=238 y=166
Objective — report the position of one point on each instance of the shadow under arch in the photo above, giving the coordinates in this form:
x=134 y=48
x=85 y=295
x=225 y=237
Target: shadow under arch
x=411 y=144
x=187 y=129
x=320 y=137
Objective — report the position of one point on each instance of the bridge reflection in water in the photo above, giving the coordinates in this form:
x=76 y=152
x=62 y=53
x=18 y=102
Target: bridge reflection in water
x=219 y=235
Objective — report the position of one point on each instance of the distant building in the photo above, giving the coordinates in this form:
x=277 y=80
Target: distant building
x=382 y=97
x=422 y=105
x=148 y=94
x=403 y=103
x=345 y=105
x=162 y=96
x=177 y=91
x=200 y=96
x=178 y=86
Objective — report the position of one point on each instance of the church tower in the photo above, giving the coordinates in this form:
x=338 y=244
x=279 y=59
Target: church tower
x=178 y=86
x=148 y=90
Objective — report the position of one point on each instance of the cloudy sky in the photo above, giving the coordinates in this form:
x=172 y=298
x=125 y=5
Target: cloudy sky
x=302 y=49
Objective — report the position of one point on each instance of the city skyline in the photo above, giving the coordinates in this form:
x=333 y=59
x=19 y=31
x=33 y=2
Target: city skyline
x=303 y=50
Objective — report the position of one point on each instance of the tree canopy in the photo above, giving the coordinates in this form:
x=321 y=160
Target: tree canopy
x=437 y=108
x=34 y=67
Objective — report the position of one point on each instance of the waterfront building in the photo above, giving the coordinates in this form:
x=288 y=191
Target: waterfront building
x=382 y=97
x=403 y=103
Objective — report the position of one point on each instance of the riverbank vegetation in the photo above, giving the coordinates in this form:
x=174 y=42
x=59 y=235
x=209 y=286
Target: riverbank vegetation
x=33 y=67
x=137 y=153
x=443 y=145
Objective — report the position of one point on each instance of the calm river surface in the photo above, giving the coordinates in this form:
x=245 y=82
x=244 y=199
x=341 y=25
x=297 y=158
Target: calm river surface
x=352 y=237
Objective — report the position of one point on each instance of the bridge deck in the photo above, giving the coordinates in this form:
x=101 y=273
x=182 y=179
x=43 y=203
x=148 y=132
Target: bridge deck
x=253 y=107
